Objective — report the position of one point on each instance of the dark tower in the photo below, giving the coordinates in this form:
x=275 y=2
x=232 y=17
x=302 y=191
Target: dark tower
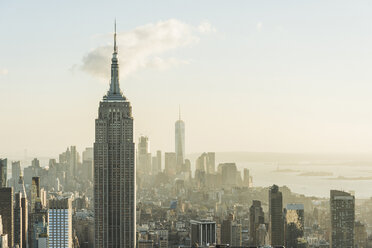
x=114 y=168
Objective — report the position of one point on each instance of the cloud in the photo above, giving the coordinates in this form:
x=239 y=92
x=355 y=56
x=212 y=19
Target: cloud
x=144 y=47
x=259 y=26
x=3 y=71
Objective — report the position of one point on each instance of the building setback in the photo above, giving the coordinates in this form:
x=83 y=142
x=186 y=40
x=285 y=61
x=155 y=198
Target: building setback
x=114 y=168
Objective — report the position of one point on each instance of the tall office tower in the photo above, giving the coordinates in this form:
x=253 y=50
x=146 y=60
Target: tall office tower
x=74 y=159
x=143 y=156
x=60 y=223
x=256 y=218
x=3 y=172
x=156 y=163
x=36 y=219
x=20 y=188
x=361 y=236
x=3 y=236
x=179 y=128
x=229 y=174
x=7 y=213
x=342 y=219
x=35 y=163
x=226 y=231
x=35 y=192
x=246 y=177
x=203 y=233
x=294 y=224
x=24 y=206
x=206 y=162
x=236 y=234
x=18 y=220
x=16 y=172
x=170 y=162
x=114 y=168
x=276 y=224
x=40 y=234
x=158 y=155
x=88 y=163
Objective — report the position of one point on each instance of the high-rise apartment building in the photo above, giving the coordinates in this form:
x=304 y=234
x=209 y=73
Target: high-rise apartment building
x=7 y=213
x=342 y=219
x=203 y=233
x=114 y=168
x=3 y=172
x=256 y=218
x=276 y=223
x=294 y=223
x=60 y=223
x=179 y=142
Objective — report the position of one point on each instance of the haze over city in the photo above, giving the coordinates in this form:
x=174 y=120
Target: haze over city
x=250 y=76
x=193 y=124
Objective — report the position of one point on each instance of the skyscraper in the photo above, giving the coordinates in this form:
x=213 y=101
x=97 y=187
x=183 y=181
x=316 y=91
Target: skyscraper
x=276 y=223
x=256 y=218
x=144 y=156
x=203 y=233
x=60 y=223
x=114 y=168
x=7 y=213
x=20 y=188
x=16 y=172
x=35 y=192
x=342 y=219
x=3 y=172
x=18 y=220
x=179 y=141
x=294 y=224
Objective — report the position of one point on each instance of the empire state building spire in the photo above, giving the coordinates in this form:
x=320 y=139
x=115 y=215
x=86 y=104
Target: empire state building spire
x=114 y=94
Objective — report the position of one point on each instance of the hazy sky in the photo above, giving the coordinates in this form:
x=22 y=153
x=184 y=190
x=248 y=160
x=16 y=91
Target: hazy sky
x=280 y=76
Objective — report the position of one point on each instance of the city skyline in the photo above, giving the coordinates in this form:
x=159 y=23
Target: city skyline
x=270 y=62
x=273 y=148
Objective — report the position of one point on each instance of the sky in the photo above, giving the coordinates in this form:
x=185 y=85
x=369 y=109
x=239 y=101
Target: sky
x=259 y=76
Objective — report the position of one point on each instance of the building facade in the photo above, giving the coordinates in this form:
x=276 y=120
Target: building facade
x=60 y=223
x=342 y=219
x=256 y=218
x=276 y=222
x=7 y=213
x=3 y=172
x=114 y=168
x=203 y=233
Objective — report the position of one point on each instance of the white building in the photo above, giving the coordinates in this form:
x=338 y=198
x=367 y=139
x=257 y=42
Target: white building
x=60 y=223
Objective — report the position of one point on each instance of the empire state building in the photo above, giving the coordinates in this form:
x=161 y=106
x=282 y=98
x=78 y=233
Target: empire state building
x=114 y=168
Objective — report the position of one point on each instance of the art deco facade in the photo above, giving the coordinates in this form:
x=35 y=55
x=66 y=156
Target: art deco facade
x=114 y=168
